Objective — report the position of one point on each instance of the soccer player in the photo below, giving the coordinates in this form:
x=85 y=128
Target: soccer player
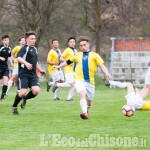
x=53 y=59
x=84 y=74
x=69 y=70
x=27 y=77
x=5 y=52
x=15 y=70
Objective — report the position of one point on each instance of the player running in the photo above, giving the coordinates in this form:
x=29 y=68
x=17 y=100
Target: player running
x=27 y=77
x=15 y=70
x=69 y=70
x=5 y=52
x=84 y=74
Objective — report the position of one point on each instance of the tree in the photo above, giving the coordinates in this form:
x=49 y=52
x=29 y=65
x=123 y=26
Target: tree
x=33 y=15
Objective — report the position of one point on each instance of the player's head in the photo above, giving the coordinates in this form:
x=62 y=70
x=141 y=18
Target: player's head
x=55 y=44
x=30 y=38
x=22 y=41
x=71 y=41
x=84 y=43
x=5 y=40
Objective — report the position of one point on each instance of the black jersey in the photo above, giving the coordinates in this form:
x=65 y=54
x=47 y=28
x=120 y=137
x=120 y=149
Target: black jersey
x=5 y=52
x=30 y=55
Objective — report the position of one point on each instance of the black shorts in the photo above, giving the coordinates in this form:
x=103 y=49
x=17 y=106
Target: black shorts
x=4 y=72
x=24 y=82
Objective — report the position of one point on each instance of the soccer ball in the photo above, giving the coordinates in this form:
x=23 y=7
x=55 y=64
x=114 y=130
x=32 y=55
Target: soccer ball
x=128 y=110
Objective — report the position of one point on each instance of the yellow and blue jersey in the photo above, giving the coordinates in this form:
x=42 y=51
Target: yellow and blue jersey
x=67 y=54
x=15 y=51
x=86 y=65
x=54 y=56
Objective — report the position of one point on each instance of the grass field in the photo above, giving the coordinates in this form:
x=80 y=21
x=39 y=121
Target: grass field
x=44 y=120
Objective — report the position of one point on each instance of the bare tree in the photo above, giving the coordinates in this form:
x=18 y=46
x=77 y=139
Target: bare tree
x=33 y=15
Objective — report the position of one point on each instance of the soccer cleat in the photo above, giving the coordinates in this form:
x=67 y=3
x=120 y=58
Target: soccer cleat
x=48 y=87
x=70 y=99
x=55 y=87
x=57 y=98
x=23 y=103
x=84 y=115
x=3 y=100
x=15 y=110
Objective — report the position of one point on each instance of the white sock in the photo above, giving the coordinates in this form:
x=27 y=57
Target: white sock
x=10 y=82
x=71 y=92
x=65 y=84
x=118 y=84
x=83 y=104
x=51 y=83
x=89 y=106
x=56 y=93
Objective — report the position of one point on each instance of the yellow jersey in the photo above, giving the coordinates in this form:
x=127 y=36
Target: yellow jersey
x=15 y=51
x=86 y=65
x=54 y=56
x=67 y=54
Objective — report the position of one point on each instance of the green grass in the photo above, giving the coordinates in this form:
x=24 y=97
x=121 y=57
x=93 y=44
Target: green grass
x=44 y=116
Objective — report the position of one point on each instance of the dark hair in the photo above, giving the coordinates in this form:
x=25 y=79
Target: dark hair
x=54 y=40
x=30 y=33
x=71 y=37
x=21 y=38
x=5 y=36
x=83 y=38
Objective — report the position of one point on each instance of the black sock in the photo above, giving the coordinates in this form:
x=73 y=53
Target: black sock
x=4 y=91
x=29 y=95
x=17 y=100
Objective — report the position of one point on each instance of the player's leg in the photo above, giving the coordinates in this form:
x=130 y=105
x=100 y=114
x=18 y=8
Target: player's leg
x=13 y=78
x=118 y=84
x=70 y=79
x=23 y=85
x=5 y=85
x=81 y=90
x=35 y=89
x=55 y=77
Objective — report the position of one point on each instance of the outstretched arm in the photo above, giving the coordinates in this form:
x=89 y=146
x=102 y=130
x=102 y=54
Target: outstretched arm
x=41 y=70
x=105 y=71
x=68 y=62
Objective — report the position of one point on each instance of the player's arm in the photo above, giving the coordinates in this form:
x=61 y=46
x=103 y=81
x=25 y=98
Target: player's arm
x=40 y=69
x=28 y=65
x=68 y=62
x=105 y=71
x=52 y=63
x=2 y=58
x=62 y=58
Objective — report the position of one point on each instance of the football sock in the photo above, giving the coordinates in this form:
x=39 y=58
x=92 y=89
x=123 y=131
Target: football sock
x=17 y=100
x=89 y=106
x=57 y=93
x=51 y=83
x=71 y=92
x=65 y=84
x=83 y=104
x=4 y=91
x=10 y=82
x=118 y=84
x=29 y=95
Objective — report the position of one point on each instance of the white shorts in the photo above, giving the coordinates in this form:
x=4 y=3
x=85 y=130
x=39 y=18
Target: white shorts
x=69 y=77
x=134 y=100
x=57 y=75
x=15 y=70
x=87 y=87
x=147 y=78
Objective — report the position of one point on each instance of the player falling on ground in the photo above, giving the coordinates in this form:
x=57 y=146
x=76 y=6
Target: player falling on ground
x=27 y=77
x=15 y=69
x=69 y=70
x=53 y=59
x=135 y=97
x=5 y=52
x=84 y=74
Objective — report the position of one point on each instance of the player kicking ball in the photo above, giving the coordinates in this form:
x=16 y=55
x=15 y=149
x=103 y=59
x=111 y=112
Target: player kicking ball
x=84 y=74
